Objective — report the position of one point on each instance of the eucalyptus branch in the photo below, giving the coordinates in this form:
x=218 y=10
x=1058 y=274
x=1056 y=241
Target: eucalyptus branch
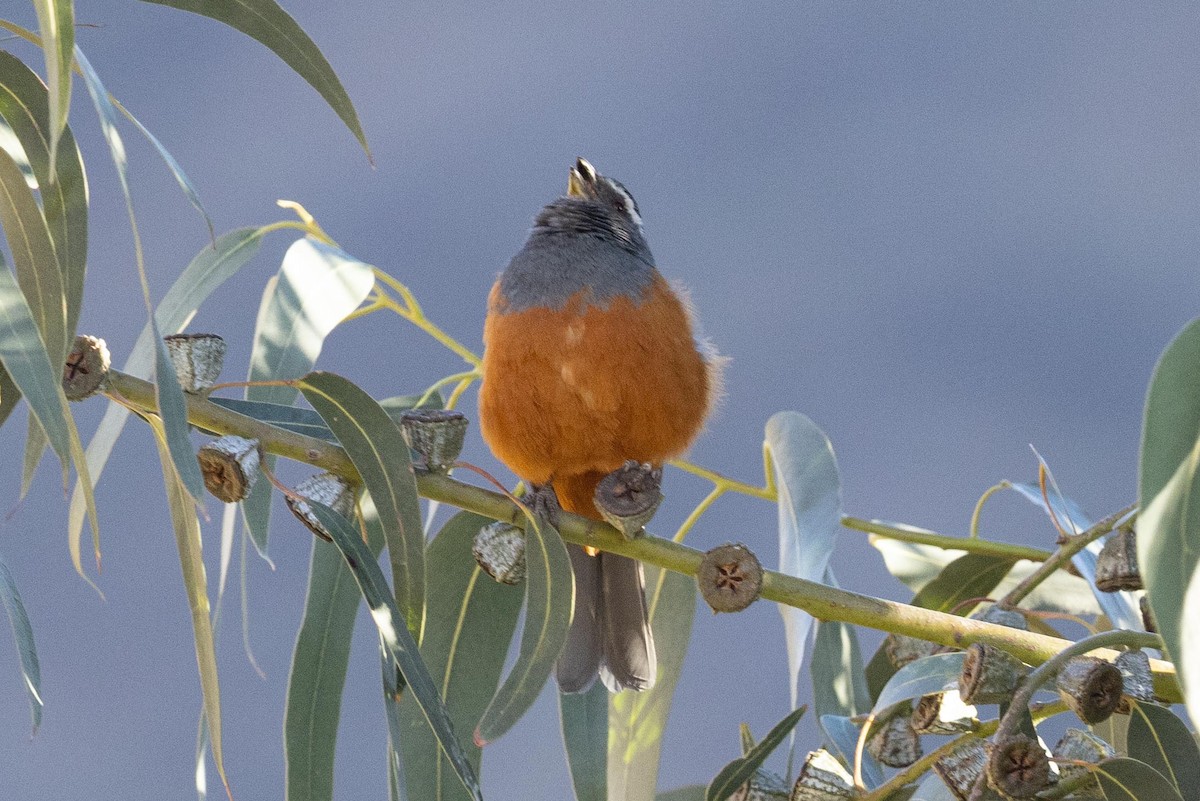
x=825 y=603
x=903 y=533
x=1073 y=545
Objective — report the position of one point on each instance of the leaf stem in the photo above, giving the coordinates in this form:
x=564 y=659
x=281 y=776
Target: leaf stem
x=906 y=533
x=974 y=528
x=412 y=312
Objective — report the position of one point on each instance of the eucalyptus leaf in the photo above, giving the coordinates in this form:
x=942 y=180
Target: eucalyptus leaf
x=379 y=452
x=738 y=772
x=1168 y=526
x=56 y=23
x=472 y=620
x=839 y=683
x=267 y=22
x=810 y=515
x=1161 y=740
x=637 y=721
x=549 y=599
x=207 y=271
x=22 y=631
x=316 y=287
x=1124 y=779
x=395 y=638
x=842 y=735
x=584 y=719
x=191 y=561
x=926 y=676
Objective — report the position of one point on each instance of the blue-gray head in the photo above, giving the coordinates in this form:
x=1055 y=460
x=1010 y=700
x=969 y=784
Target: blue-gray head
x=591 y=239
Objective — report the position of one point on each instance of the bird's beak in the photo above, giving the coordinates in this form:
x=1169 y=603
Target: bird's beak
x=581 y=179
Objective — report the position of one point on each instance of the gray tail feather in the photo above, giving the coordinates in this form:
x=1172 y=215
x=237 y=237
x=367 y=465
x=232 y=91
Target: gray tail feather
x=584 y=651
x=629 y=658
x=610 y=633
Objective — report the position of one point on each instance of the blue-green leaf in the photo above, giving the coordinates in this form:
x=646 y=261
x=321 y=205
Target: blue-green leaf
x=1161 y=740
x=1123 y=779
x=549 y=595
x=927 y=676
x=584 y=718
x=308 y=422
x=316 y=287
x=810 y=515
x=739 y=771
x=56 y=23
x=169 y=394
x=23 y=634
x=265 y=21
x=207 y=271
x=1120 y=607
x=394 y=636
x=842 y=735
x=839 y=683
x=638 y=721
x=380 y=454
x=471 y=622
x=24 y=357
x=1168 y=526
x=191 y=561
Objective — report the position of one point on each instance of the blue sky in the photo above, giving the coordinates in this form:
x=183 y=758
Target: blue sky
x=943 y=231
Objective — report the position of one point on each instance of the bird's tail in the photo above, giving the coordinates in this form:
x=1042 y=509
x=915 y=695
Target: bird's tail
x=610 y=633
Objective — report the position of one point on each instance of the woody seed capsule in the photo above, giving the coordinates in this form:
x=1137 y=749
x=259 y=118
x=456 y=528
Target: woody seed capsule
x=230 y=467
x=959 y=770
x=730 y=578
x=944 y=713
x=1017 y=767
x=902 y=649
x=197 y=358
x=86 y=370
x=436 y=435
x=762 y=786
x=629 y=496
x=989 y=675
x=1091 y=687
x=1078 y=745
x=499 y=548
x=822 y=778
x=1138 y=682
x=895 y=743
x=329 y=489
x=1117 y=563
x=1003 y=617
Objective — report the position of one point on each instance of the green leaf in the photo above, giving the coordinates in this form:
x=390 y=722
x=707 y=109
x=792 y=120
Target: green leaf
x=10 y=396
x=33 y=257
x=692 y=792
x=318 y=672
x=379 y=452
x=810 y=516
x=842 y=734
x=1169 y=522
x=31 y=672
x=316 y=287
x=401 y=647
x=266 y=22
x=926 y=676
x=171 y=408
x=472 y=620
x=24 y=357
x=308 y=422
x=207 y=271
x=181 y=177
x=637 y=721
x=24 y=104
x=549 y=599
x=738 y=772
x=969 y=576
x=584 y=718
x=1161 y=740
x=1124 y=779
x=191 y=561
x=839 y=685
x=1115 y=732
x=56 y=23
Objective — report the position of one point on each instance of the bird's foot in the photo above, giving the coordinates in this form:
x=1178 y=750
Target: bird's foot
x=543 y=503
x=629 y=496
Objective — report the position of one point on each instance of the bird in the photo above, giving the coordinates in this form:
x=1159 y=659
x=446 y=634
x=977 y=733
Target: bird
x=593 y=359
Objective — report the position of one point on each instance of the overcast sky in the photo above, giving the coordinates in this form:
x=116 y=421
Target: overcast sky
x=944 y=231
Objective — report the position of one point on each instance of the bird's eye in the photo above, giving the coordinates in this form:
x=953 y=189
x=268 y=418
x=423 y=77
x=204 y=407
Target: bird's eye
x=619 y=204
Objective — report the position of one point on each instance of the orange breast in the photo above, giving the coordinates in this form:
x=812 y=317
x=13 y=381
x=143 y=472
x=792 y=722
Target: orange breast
x=584 y=388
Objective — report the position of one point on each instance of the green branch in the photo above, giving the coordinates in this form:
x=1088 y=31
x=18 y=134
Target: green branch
x=824 y=603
